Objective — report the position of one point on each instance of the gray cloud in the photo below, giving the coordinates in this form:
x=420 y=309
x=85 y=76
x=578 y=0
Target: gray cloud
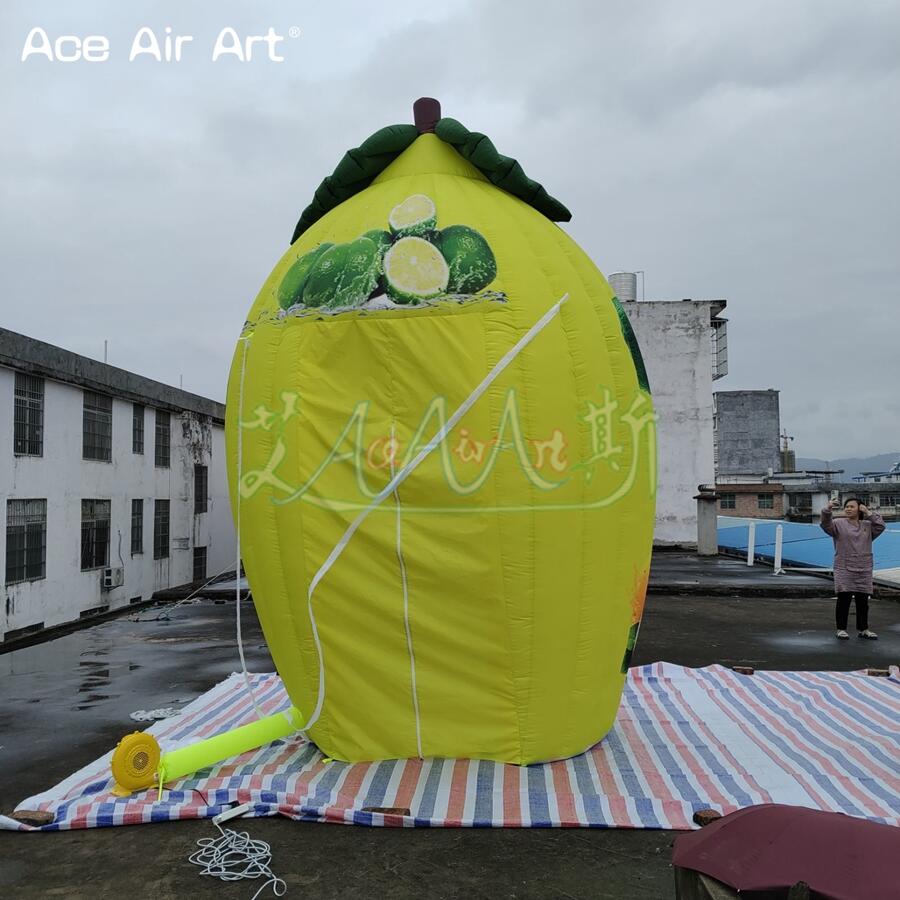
x=745 y=151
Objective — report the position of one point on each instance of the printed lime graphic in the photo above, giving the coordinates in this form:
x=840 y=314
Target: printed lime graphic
x=409 y=263
x=414 y=270
x=324 y=280
x=469 y=258
x=344 y=275
x=361 y=270
x=414 y=217
x=381 y=239
x=290 y=291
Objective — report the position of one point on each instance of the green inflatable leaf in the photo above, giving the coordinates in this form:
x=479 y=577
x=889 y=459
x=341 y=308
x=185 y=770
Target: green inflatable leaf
x=355 y=172
x=631 y=339
x=500 y=170
x=361 y=165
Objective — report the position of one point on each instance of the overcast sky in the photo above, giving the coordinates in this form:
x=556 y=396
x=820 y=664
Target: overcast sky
x=740 y=150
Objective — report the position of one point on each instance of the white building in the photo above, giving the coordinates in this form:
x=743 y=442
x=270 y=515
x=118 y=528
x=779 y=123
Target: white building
x=112 y=486
x=684 y=348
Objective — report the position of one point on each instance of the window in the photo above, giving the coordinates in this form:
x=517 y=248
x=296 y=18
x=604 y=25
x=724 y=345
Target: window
x=97 y=427
x=890 y=500
x=726 y=501
x=137 y=428
x=199 y=563
x=26 y=540
x=94 y=534
x=161 y=529
x=765 y=501
x=201 y=489
x=163 y=440
x=137 y=527
x=28 y=418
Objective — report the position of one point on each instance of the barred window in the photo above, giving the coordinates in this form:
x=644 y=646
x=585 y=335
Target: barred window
x=97 y=427
x=201 y=489
x=726 y=501
x=137 y=527
x=94 y=534
x=765 y=501
x=199 y=563
x=26 y=540
x=137 y=428
x=28 y=417
x=163 y=439
x=161 y=529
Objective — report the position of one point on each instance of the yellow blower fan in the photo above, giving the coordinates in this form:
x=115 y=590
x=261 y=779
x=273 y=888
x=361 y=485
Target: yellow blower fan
x=139 y=764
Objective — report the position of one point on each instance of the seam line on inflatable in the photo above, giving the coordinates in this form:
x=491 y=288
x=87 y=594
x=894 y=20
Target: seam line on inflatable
x=405 y=584
x=403 y=474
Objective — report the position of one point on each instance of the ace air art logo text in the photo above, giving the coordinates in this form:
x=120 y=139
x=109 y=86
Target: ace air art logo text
x=164 y=47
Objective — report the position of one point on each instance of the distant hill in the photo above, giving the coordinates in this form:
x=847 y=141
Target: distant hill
x=853 y=466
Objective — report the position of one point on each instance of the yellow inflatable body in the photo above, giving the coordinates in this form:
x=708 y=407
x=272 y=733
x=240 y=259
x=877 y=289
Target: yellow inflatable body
x=476 y=596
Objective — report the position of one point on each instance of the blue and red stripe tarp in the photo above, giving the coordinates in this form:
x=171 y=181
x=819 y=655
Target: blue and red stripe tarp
x=684 y=740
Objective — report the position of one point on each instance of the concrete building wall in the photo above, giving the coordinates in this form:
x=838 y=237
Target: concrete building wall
x=675 y=342
x=746 y=501
x=747 y=427
x=221 y=534
x=64 y=478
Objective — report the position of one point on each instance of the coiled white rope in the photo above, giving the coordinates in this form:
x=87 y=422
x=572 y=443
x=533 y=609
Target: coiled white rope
x=233 y=856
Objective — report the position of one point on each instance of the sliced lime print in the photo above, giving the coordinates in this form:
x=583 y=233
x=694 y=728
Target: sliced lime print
x=631 y=339
x=408 y=263
x=414 y=270
x=469 y=258
x=414 y=217
x=290 y=291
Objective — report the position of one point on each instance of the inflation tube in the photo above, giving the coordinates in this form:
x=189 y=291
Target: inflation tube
x=130 y=775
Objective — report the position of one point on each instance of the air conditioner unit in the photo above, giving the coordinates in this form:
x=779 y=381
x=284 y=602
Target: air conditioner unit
x=112 y=578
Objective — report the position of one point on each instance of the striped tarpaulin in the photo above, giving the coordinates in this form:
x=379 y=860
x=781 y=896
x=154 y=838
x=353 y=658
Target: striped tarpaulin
x=684 y=740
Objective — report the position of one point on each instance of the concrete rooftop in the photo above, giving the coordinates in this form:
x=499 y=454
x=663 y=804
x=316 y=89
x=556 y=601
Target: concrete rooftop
x=67 y=701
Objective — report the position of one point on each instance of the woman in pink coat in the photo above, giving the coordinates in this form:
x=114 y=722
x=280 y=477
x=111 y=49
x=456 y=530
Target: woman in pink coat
x=853 y=535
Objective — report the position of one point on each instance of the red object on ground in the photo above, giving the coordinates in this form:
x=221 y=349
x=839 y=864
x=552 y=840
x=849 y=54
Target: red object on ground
x=772 y=846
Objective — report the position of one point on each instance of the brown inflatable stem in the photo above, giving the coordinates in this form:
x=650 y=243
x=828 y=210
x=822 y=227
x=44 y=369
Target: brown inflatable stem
x=426 y=114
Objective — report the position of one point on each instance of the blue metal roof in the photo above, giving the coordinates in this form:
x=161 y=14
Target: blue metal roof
x=806 y=545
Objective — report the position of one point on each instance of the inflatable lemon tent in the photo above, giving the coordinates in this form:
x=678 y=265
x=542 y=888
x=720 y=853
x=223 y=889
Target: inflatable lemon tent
x=442 y=458
x=483 y=606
